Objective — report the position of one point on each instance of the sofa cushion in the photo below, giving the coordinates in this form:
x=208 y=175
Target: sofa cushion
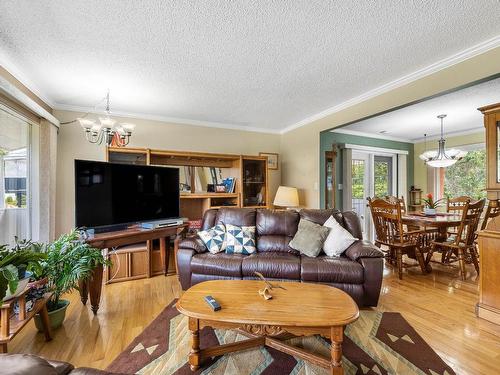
x=25 y=364
x=320 y=216
x=309 y=238
x=325 y=269
x=240 y=240
x=214 y=238
x=217 y=264
x=236 y=216
x=209 y=218
x=352 y=224
x=275 y=229
x=272 y=265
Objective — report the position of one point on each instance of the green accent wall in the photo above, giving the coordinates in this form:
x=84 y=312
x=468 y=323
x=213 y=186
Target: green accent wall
x=328 y=138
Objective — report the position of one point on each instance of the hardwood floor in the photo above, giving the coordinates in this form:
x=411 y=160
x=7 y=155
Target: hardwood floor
x=439 y=306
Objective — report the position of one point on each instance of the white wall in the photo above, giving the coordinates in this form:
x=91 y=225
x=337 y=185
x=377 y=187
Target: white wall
x=152 y=134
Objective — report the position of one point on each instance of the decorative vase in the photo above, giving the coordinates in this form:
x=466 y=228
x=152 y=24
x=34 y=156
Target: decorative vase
x=56 y=317
x=429 y=211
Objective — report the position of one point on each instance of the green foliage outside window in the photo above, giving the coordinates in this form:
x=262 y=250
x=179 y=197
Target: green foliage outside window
x=467 y=176
x=381 y=181
x=358 y=176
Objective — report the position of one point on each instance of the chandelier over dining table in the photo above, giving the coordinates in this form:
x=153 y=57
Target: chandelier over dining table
x=442 y=158
x=106 y=130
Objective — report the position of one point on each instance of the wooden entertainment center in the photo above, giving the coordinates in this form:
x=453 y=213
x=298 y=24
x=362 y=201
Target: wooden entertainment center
x=139 y=254
x=251 y=173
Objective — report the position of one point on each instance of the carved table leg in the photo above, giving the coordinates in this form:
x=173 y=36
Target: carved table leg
x=83 y=289
x=337 y=336
x=95 y=287
x=3 y=348
x=194 y=355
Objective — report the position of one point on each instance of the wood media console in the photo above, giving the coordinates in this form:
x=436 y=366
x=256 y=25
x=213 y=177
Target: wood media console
x=136 y=256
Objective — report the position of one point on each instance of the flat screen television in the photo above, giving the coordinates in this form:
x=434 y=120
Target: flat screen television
x=109 y=194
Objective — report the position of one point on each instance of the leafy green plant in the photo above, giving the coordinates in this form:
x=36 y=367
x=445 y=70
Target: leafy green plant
x=25 y=255
x=69 y=259
x=431 y=203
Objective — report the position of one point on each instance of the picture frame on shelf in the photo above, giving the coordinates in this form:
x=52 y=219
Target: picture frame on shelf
x=272 y=159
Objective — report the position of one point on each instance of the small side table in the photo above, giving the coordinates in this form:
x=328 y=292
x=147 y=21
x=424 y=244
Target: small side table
x=11 y=326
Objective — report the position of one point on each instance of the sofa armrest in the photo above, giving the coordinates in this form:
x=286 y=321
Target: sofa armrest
x=193 y=243
x=373 y=269
x=183 y=259
x=363 y=249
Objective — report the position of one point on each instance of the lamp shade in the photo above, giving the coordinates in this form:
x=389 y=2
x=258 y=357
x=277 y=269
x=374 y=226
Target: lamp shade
x=286 y=197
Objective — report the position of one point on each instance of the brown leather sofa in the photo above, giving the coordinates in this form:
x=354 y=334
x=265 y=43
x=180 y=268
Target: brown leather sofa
x=29 y=364
x=358 y=271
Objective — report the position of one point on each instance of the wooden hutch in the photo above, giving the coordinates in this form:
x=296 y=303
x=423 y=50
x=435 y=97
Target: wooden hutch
x=488 y=306
x=145 y=259
x=251 y=173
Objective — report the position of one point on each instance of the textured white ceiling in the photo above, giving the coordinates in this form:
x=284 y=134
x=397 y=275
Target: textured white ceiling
x=252 y=63
x=412 y=122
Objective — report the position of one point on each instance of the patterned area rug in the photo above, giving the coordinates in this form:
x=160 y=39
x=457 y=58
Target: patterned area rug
x=377 y=343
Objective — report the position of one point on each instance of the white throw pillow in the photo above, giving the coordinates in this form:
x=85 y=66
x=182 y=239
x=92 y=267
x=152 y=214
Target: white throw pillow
x=338 y=240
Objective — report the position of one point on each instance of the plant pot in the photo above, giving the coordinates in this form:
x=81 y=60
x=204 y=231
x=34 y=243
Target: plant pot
x=56 y=317
x=429 y=211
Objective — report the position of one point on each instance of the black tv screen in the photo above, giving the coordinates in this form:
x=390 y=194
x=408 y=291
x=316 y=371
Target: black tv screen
x=110 y=194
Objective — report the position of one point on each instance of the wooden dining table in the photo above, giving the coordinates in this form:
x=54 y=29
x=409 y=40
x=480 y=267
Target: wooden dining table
x=441 y=221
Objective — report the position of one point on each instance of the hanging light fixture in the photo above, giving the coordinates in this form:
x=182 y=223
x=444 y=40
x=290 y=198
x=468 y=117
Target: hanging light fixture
x=107 y=131
x=442 y=158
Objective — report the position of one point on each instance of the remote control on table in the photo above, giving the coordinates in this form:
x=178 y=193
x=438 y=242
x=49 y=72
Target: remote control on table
x=213 y=303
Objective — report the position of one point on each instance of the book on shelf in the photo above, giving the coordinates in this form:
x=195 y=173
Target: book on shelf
x=229 y=183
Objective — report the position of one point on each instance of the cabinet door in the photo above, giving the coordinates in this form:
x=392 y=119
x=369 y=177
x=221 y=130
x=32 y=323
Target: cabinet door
x=254 y=182
x=118 y=271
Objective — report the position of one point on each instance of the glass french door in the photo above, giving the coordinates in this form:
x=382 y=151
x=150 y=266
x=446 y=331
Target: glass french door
x=371 y=175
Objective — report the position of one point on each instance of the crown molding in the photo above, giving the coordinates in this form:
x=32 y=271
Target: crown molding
x=173 y=120
x=23 y=79
x=370 y=135
x=14 y=92
x=457 y=58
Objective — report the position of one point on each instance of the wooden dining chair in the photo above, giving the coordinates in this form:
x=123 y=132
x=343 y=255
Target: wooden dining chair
x=460 y=246
x=493 y=210
x=456 y=206
x=392 y=199
x=390 y=231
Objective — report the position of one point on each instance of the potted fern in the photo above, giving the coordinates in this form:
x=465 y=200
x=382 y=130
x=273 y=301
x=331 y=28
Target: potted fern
x=69 y=259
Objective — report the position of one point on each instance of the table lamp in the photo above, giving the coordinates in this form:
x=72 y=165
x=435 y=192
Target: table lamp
x=286 y=197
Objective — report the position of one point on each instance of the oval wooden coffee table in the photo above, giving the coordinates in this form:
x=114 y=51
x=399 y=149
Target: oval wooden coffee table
x=300 y=310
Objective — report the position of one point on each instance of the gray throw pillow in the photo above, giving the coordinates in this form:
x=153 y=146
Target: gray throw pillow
x=309 y=238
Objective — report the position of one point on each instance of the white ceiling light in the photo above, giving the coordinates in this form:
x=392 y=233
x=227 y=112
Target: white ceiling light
x=442 y=158
x=107 y=130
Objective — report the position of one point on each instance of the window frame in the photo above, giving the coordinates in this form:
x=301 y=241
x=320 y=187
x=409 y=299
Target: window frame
x=31 y=140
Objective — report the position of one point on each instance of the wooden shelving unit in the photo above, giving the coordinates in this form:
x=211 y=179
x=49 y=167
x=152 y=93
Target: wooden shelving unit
x=251 y=173
x=415 y=202
x=11 y=325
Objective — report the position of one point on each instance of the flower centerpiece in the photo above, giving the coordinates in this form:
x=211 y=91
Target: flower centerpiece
x=431 y=205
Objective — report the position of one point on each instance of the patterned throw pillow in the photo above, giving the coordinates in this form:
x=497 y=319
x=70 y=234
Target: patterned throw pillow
x=214 y=238
x=240 y=240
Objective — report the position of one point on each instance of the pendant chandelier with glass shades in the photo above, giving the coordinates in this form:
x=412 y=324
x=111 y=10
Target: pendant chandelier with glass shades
x=107 y=130
x=442 y=158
